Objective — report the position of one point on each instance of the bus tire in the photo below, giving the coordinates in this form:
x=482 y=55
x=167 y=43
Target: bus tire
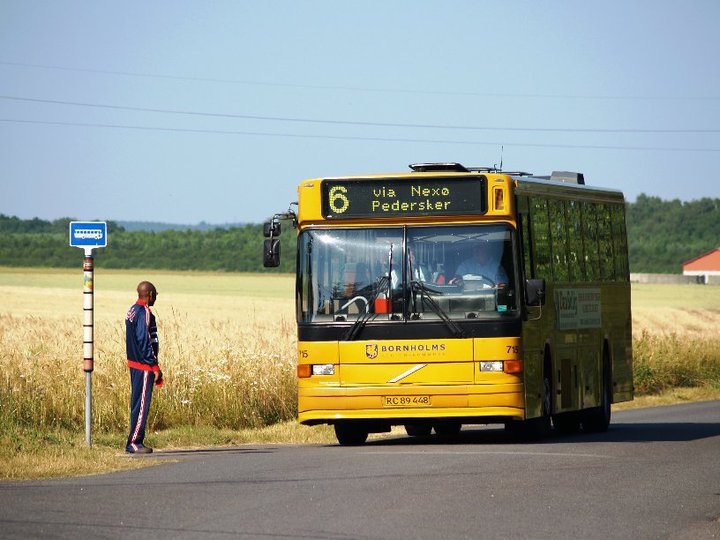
x=418 y=430
x=545 y=421
x=567 y=423
x=350 y=434
x=597 y=419
x=447 y=431
x=540 y=427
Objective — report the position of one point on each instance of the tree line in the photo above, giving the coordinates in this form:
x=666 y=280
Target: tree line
x=42 y=243
x=664 y=234
x=661 y=236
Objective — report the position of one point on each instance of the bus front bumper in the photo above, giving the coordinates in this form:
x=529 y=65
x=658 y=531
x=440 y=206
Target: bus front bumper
x=472 y=403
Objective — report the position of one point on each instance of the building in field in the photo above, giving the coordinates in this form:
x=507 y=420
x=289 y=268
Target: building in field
x=706 y=265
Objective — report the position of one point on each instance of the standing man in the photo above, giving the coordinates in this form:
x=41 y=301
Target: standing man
x=142 y=356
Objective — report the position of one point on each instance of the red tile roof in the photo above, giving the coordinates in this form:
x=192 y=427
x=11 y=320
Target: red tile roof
x=707 y=261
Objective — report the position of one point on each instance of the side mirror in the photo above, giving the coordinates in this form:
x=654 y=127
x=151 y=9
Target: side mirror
x=535 y=292
x=271 y=253
x=271 y=229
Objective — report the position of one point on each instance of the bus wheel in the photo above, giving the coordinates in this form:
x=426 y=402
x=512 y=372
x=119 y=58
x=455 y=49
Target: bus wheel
x=536 y=428
x=542 y=426
x=545 y=420
x=418 y=430
x=448 y=431
x=567 y=423
x=597 y=420
x=350 y=434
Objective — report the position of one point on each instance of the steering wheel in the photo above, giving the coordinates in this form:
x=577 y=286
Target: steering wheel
x=484 y=281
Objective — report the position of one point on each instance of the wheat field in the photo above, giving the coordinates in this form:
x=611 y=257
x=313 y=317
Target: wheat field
x=676 y=336
x=227 y=349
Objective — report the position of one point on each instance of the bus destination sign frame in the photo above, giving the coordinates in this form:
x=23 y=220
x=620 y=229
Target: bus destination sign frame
x=388 y=197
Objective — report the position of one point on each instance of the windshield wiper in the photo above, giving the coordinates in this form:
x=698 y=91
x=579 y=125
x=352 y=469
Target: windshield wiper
x=363 y=319
x=426 y=299
x=384 y=282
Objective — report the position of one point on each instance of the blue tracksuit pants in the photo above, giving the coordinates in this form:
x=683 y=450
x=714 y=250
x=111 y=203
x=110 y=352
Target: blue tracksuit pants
x=141 y=387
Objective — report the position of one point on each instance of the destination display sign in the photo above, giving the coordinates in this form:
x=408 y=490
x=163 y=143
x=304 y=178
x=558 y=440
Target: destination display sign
x=403 y=198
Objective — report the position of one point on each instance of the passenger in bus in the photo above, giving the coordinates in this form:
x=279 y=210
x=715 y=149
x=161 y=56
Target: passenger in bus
x=439 y=274
x=486 y=262
x=357 y=278
x=417 y=270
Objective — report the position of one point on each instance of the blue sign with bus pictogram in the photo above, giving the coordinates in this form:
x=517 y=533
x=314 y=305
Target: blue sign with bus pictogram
x=88 y=234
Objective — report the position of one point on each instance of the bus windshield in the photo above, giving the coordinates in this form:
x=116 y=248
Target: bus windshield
x=406 y=273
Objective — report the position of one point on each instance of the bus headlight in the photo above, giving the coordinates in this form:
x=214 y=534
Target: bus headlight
x=498 y=366
x=323 y=369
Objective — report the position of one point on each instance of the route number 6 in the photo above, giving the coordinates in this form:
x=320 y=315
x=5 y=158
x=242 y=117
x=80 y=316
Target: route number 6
x=338 y=200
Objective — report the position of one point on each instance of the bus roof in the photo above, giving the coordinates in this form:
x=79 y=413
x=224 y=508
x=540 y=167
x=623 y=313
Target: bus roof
x=543 y=185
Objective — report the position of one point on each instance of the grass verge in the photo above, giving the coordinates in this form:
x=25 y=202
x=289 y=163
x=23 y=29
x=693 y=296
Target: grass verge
x=671 y=396
x=28 y=454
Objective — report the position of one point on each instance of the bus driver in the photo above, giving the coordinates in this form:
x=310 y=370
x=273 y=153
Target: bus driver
x=485 y=262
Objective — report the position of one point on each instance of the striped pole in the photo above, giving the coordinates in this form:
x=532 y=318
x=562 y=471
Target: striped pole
x=88 y=235
x=88 y=359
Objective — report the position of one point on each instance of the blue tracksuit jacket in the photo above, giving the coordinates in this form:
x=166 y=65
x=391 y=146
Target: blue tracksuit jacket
x=141 y=338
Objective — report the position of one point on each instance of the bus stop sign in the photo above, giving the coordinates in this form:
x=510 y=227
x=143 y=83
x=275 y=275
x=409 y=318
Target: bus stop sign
x=88 y=234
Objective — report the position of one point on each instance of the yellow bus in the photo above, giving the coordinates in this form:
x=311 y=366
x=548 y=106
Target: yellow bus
x=450 y=295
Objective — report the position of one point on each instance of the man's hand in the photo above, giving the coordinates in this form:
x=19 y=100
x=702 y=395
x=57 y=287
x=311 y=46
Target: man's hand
x=159 y=381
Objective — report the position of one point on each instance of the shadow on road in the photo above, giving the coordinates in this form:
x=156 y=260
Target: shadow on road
x=618 y=433
x=656 y=432
x=200 y=451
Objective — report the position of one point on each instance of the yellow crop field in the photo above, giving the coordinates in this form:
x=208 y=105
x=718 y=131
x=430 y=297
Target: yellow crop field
x=227 y=349
x=686 y=309
x=676 y=336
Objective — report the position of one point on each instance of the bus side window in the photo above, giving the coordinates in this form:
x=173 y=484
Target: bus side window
x=605 y=243
x=525 y=238
x=575 y=242
x=559 y=240
x=620 y=244
x=592 y=247
x=541 y=239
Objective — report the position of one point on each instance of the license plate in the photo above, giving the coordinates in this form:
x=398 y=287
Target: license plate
x=406 y=401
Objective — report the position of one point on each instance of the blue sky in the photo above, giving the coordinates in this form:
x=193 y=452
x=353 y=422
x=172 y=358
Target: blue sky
x=214 y=111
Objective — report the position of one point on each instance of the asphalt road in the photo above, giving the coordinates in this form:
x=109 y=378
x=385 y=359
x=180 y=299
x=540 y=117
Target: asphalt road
x=654 y=474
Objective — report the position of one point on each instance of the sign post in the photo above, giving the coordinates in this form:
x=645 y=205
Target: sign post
x=88 y=235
